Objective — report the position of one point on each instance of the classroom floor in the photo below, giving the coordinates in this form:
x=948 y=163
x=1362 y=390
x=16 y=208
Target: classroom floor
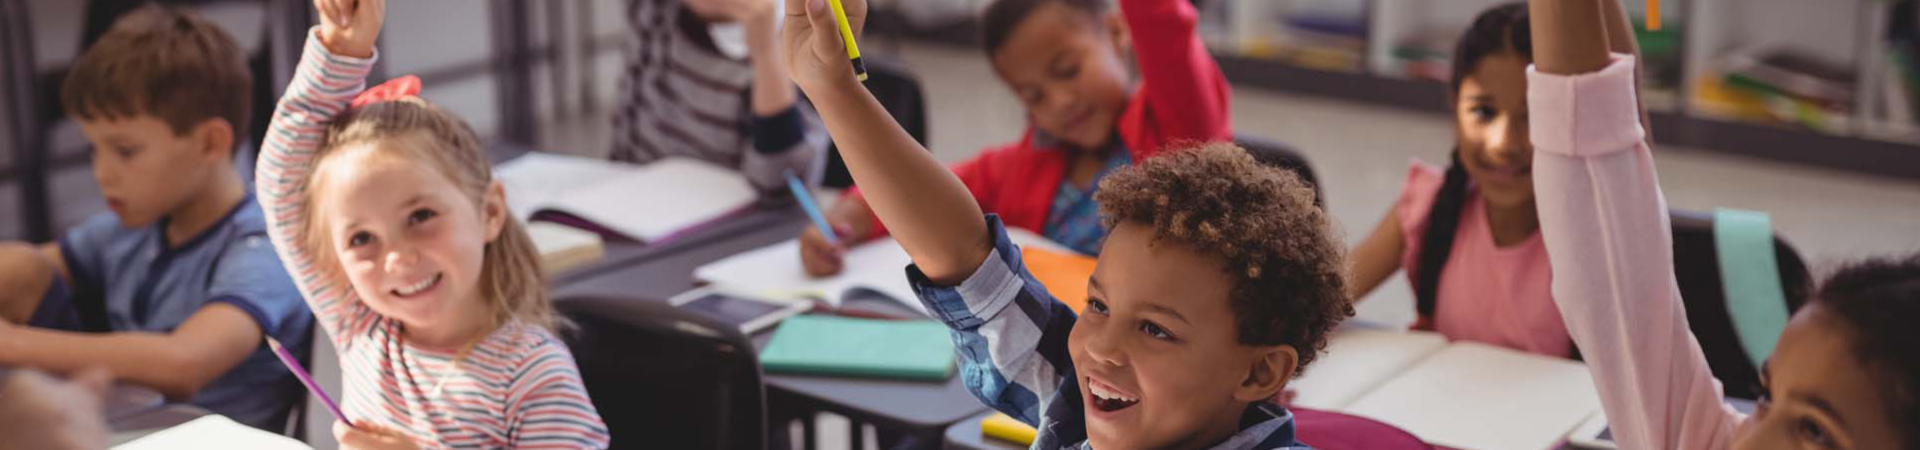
x=1361 y=152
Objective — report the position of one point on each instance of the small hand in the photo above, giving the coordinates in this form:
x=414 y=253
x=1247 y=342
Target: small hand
x=40 y=412
x=816 y=57
x=368 y=436
x=822 y=258
x=351 y=27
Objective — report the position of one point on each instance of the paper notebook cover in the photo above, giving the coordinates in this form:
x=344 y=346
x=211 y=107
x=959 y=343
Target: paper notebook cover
x=649 y=203
x=877 y=267
x=1476 y=396
x=564 y=248
x=1064 y=274
x=774 y=271
x=213 y=432
x=826 y=345
x=1358 y=360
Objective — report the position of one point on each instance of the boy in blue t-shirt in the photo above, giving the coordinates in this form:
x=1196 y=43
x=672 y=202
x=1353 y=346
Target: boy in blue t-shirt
x=175 y=287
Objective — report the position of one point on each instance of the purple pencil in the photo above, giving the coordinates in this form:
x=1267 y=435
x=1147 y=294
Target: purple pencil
x=286 y=357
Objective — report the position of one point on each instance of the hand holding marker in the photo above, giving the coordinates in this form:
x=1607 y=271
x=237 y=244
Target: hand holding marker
x=846 y=34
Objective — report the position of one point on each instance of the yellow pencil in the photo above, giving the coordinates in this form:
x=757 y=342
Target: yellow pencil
x=846 y=34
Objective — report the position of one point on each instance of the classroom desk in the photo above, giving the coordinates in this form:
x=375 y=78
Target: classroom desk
x=921 y=410
x=965 y=435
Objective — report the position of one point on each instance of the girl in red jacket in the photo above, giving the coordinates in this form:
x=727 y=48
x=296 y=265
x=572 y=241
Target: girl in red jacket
x=1065 y=60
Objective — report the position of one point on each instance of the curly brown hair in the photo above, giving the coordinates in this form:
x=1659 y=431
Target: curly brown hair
x=1288 y=268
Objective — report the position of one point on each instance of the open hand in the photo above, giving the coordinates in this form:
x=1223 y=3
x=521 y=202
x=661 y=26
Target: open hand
x=368 y=436
x=351 y=27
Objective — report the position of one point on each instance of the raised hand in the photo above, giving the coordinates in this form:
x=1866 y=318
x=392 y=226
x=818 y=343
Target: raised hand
x=815 y=55
x=351 y=27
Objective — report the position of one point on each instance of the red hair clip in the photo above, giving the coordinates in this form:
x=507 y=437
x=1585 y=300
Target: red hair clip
x=394 y=89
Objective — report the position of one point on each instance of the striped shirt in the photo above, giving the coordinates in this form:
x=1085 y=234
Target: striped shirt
x=680 y=96
x=517 y=388
x=1012 y=339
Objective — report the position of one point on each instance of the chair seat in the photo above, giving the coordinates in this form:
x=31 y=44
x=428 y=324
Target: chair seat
x=1329 y=430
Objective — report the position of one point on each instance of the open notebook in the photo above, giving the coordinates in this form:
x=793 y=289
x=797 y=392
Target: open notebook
x=649 y=203
x=1462 y=395
x=213 y=431
x=877 y=267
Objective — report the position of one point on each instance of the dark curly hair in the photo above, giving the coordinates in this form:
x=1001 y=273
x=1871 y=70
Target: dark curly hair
x=1877 y=301
x=997 y=24
x=1288 y=268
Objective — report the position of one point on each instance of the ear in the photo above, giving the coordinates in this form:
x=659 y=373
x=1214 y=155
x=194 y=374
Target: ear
x=1272 y=368
x=493 y=210
x=214 y=138
x=1118 y=32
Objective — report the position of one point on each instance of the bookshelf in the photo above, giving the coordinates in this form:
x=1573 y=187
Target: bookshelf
x=1372 y=51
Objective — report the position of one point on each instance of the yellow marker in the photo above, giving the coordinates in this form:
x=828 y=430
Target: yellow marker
x=1000 y=426
x=846 y=34
x=1653 y=14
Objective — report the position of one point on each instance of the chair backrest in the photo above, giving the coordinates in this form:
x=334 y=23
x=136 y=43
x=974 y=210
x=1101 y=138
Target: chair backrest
x=663 y=377
x=1696 y=265
x=1280 y=155
x=1329 y=430
x=899 y=91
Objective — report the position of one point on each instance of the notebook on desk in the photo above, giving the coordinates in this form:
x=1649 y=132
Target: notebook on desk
x=213 y=431
x=919 y=350
x=1455 y=394
x=876 y=268
x=649 y=203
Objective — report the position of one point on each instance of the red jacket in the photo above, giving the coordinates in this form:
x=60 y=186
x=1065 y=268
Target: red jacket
x=1182 y=97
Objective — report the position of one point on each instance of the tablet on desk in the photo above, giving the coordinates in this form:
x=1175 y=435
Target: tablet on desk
x=751 y=314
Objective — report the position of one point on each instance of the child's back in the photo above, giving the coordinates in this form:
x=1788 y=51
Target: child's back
x=175 y=287
x=705 y=84
x=402 y=244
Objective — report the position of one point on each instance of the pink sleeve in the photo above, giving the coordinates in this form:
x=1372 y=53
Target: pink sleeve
x=1605 y=224
x=322 y=86
x=1413 y=207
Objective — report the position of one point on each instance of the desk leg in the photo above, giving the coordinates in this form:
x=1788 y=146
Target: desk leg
x=856 y=435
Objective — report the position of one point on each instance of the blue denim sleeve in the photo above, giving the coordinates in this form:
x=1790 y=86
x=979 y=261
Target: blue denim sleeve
x=1010 y=333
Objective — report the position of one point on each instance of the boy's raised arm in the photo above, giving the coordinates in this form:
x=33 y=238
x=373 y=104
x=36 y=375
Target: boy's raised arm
x=927 y=208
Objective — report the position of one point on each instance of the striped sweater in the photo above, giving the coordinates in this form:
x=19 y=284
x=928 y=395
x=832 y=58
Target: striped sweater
x=682 y=96
x=517 y=388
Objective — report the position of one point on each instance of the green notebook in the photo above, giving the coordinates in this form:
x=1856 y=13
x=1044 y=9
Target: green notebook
x=830 y=345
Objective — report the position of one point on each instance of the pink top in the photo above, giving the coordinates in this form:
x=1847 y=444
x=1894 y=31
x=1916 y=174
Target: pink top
x=1605 y=223
x=1487 y=293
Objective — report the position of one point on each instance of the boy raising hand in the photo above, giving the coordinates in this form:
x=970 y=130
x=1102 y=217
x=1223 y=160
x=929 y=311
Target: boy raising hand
x=1219 y=283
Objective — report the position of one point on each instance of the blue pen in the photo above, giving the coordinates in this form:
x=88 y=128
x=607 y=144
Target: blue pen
x=805 y=197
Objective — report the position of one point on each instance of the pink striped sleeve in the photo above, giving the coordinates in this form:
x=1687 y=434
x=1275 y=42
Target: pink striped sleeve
x=547 y=403
x=322 y=86
x=1605 y=224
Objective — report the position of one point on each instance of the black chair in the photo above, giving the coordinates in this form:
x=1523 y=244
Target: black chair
x=1280 y=155
x=663 y=377
x=899 y=91
x=1696 y=265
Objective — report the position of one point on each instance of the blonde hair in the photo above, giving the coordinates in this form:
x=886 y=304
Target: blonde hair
x=511 y=280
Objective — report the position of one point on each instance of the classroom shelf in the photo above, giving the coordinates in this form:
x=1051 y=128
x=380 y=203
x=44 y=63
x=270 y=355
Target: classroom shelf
x=1255 y=40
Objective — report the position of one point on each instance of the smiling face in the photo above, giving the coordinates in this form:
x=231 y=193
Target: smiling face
x=145 y=170
x=409 y=240
x=1156 y=349
x=1066 y=68
x=1818 y=394
x=1490 y=112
